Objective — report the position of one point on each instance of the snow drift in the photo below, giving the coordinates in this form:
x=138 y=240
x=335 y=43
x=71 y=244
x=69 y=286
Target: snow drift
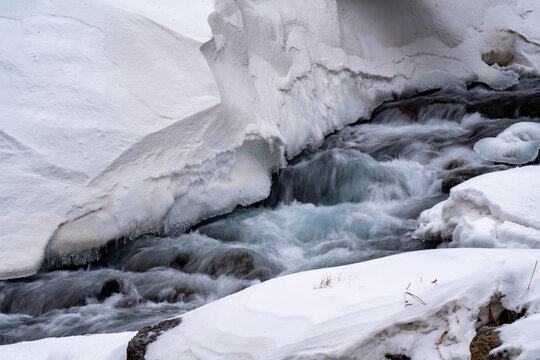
x=110 y=122
x=494 y=210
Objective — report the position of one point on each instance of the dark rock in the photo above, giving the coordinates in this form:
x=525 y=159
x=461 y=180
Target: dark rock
x=410 y=112
x=530 y=107
x=262 y=274
x=109 y=287
x=454 y=164
x=235 y=262
x=486 y=339
x=396 y=357
x=136 y=349
x=179 y=261
x=184 y=292
x=456 y=178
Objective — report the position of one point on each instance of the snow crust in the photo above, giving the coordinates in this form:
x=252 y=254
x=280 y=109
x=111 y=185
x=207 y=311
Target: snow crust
x=364 y=312
x=519 y=144
x=111 y=123
x=499 y=209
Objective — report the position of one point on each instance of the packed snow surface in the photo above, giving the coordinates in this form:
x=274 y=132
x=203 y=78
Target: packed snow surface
x=111 y=122
x=519 y=144
x=499 y=209
x=419 y=304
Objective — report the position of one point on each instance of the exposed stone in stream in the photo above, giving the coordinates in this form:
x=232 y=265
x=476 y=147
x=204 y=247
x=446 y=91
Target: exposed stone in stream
x=136 y=349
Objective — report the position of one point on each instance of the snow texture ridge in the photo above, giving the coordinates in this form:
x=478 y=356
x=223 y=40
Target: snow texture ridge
x=112 y=125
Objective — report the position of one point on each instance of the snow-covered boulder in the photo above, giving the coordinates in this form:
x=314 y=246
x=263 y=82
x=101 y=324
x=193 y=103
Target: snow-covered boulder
x=500 y=209
x=517 y=145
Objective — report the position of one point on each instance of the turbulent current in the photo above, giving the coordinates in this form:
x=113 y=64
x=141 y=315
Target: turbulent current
x=357 y=197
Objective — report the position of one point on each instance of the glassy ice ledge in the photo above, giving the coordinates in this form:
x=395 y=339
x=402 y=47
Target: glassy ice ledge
x=88 y=159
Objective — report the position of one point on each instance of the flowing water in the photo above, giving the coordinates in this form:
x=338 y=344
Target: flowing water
x=355 y=198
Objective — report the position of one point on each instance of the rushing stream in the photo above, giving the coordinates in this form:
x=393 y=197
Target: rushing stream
x=355 y=198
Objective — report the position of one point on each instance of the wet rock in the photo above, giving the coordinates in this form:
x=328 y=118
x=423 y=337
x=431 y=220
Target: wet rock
x=262 y=274
x=456 y=178
x=235 y=262
x=184 y=292
x=530 y=107
x=486 y=339
x=396 y=357
x=410 y=112
x=454 y=164
x=136 y=349
x=179 y=261
x=110 y=287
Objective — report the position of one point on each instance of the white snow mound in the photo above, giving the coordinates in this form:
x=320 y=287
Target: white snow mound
x=499 y=209
x=519 y=144
x=418 y=304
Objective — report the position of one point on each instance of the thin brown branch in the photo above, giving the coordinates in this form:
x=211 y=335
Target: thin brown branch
x=532 y=276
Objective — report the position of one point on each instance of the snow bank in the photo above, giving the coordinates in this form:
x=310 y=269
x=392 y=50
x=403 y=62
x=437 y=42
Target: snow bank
x=93 y=347
x=301 y=69
x=519 y=144
x=494 y=210
x=110 y=123
x=418 y=304
x=81 y=84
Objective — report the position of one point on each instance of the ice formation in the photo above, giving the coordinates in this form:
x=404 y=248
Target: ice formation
x=519 y=144
x=499 y=209
x=111 y=124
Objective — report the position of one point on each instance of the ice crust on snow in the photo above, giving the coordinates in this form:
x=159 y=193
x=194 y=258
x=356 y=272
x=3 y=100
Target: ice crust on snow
x=363 y=313
x=519 y=144
x=499 y=209
x=112 y=126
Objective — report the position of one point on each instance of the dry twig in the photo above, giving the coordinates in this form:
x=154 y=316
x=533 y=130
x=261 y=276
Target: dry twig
x=532 y=276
